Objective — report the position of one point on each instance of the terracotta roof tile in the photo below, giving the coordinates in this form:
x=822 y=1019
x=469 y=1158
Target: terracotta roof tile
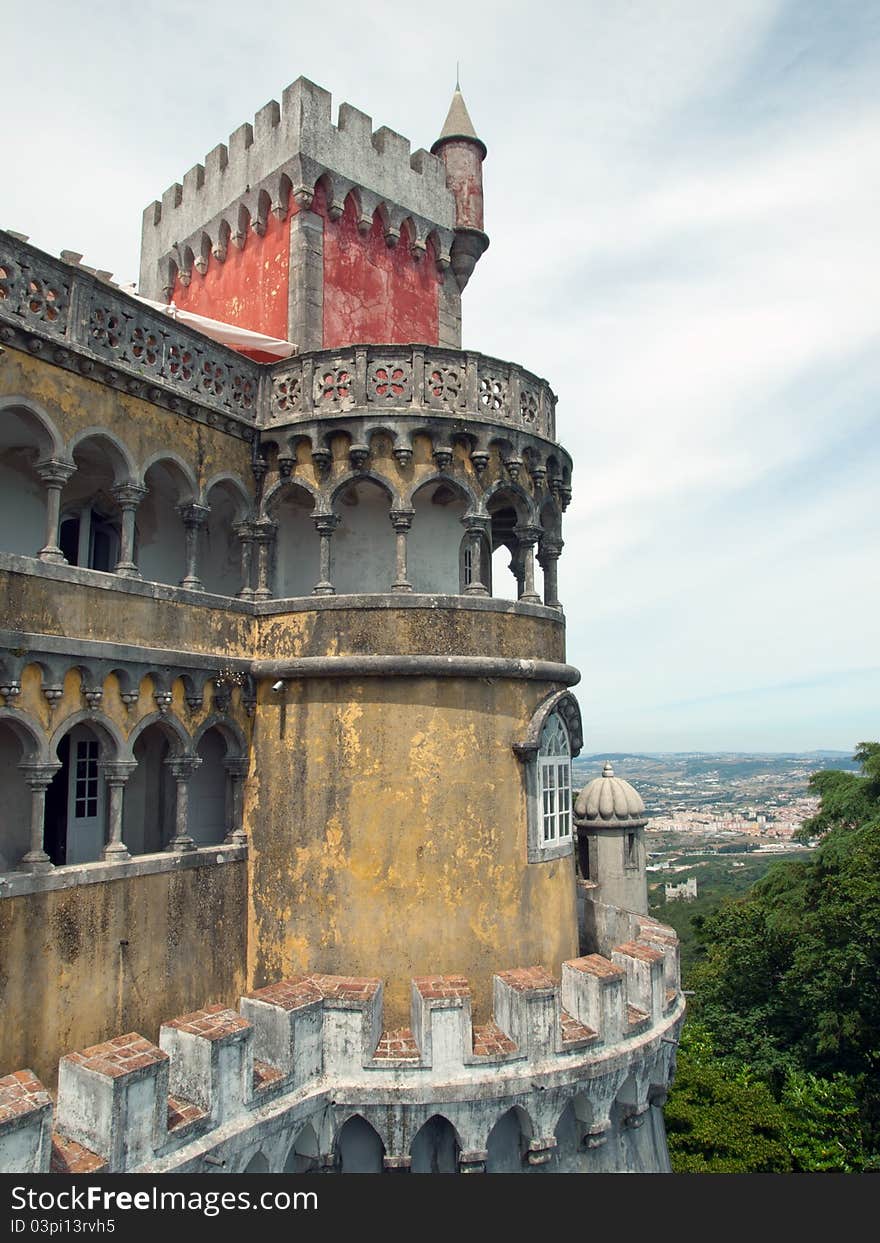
x=636 y=1017
x=265 y=1075
x=121 y=1056
x=182 y=1113
x=21 y=1093
x=638 y=949
x=573 y=1031
x=69 y=1157
x=527 y=979
x=289 y=994
x=211 y=1023
x=397 y=1046
x=443 y=987
x=345 y=987
x=595 y=964
x=491 y=1041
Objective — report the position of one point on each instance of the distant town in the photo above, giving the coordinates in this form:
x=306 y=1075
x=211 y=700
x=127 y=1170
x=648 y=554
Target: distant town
x=717 y=804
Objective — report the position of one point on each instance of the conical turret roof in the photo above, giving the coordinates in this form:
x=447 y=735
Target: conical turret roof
x=458 y=124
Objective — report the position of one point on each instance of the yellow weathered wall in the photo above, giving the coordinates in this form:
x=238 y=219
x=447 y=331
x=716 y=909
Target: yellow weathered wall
x=66 y=981
x=49 y=606
x=388 y=837
x=75 y=403
x=400 y=631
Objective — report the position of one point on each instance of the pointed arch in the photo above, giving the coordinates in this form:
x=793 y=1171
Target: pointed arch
x=359 y=1147
x=303 y=1155
x=436 y=1147
x=49 y=442
x=108 y=730
x=231 y=731
x=29 y=733
x=507 y=1142
x=180 y=471
x=116 y=450
x=171 y=727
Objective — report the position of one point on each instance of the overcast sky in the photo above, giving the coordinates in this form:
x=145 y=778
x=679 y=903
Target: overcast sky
x=682 y=199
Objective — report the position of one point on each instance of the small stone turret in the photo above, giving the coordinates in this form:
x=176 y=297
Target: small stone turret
x=463 y=153
x=609 y=817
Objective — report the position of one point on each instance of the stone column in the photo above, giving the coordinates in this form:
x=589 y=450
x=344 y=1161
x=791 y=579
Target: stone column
x=116 y=774
x=264 y=536
x=475 y=529
x=473 y=1161
x=128 y=496
x=54 y=475
x=38 y=778
x=528 y=537
x=194 y=518
x=325 y=524
x=245 y=533
x=236 y=770
x=401 y=520
x=548 y=555
x=182 y=768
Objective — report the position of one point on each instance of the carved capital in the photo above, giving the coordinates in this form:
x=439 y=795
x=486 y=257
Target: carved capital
x=129 y=495
x=528 y=535
x=38 y=776
x=550 y=549
x=193 y=515
x=117 y=772
x=401 y=519
x=182 y=767
x=325 y=524
x=476 y=524
x=54 y=472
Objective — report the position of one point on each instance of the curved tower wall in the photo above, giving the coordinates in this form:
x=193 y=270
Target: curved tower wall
x=388 y=808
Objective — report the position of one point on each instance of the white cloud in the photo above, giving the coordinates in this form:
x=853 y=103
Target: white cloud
x=682 y=200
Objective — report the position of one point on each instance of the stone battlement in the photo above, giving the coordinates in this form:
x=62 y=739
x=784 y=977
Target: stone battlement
x=289 y=149
x=127 y=1104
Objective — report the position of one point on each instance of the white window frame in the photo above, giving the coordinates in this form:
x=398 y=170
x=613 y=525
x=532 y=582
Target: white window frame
x=554 y=737
x=554 y=781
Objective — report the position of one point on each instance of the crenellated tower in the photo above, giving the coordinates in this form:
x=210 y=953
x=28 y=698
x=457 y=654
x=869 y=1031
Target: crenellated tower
x=323 y=234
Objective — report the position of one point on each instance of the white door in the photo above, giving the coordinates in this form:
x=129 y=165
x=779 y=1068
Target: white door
x=85 y=798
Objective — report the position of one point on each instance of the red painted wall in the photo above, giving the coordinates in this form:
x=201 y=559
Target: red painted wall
x=249 y=288
x=373 y=292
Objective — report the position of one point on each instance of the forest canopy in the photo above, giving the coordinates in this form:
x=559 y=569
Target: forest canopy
x=779 y=1059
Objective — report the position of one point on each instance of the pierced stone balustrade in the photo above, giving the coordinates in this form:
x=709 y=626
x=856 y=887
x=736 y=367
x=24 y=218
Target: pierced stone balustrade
x=86 y=324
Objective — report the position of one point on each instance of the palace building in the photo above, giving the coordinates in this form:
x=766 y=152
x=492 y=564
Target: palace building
x=292 y=872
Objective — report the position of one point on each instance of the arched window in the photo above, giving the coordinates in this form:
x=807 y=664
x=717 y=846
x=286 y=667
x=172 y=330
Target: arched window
x=554 y=779
x=554 y=736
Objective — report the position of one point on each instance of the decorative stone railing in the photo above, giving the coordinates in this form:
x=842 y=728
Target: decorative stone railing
x=408 y=378
x=164 y=361
x=71 y=306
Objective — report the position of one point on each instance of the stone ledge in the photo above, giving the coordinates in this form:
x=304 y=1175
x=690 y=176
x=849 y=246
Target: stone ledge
x=18 y=884
x=16 y=563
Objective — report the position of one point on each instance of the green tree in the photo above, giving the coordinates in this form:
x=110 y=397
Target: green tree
x=719 y=1120
x=788 y=988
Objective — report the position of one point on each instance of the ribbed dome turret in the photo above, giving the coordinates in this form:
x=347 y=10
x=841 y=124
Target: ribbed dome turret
x=609 y=802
